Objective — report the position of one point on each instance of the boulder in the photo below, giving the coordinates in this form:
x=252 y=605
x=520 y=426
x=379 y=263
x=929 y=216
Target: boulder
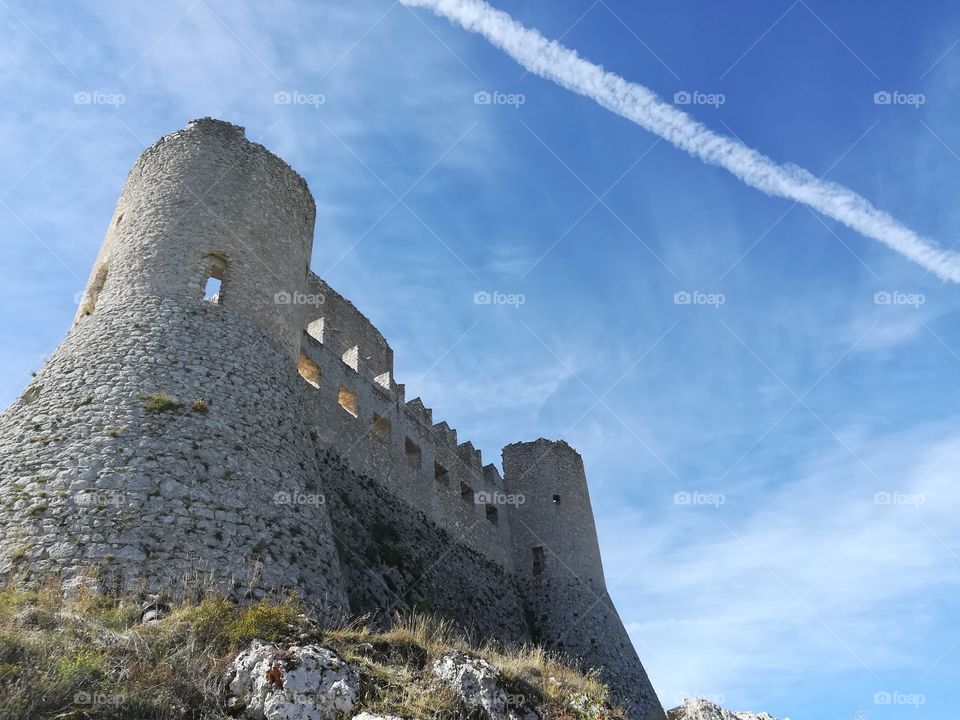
x=305 y=682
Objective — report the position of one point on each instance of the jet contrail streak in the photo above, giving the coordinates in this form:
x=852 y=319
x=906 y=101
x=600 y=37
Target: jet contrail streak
x=641 y=105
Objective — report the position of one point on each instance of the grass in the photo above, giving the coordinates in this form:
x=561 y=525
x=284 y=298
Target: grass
x=162 y=403
x=159 y=402
x=87 y=658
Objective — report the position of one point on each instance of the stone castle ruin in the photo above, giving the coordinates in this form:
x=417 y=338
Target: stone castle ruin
x=258 y=436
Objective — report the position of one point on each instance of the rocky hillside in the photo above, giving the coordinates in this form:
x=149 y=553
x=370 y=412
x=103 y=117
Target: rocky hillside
x=97 y=658
x=699 y=709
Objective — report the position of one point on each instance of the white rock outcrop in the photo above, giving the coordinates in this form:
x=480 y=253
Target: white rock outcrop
x=700 y=709
x=300 y=683
x=477 y=682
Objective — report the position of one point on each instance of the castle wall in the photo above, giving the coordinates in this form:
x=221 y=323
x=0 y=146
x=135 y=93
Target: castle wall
x=556 y=515
x=573 y=618
x=394 y=558
x=154 y=440
x=205 y=197
x=91 y=481
x=259 y=436
x=386 y=456
x=342 y=327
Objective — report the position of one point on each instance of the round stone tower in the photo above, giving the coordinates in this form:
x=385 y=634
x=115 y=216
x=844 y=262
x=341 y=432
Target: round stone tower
x=163 y=437
x=557 y=557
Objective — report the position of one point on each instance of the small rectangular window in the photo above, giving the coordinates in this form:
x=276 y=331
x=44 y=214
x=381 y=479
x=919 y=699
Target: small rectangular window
x=349 y=401
x=212 y=290
x=441 y=474
x=538 y=560
x=466 y=493
x=492 y=514
x=216 y=270
x=414 y=456
x=556 y=499
x=381 y=427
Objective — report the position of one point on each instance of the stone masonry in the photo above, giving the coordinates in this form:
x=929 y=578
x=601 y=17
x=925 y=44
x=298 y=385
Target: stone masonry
x=256 y=436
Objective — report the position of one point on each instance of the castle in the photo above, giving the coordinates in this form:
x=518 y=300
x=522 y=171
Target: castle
x=256 y=434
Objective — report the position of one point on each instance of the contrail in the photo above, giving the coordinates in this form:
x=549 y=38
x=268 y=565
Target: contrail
x=553 y=61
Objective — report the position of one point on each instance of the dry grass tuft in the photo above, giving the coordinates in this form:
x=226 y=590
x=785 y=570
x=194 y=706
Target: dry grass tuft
x=87 y=657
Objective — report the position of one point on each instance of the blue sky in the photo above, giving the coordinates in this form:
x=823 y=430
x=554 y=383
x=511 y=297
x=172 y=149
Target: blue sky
x=791 y=405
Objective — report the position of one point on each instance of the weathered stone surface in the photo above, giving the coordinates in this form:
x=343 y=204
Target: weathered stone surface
x=299 y=683
x=479 y=685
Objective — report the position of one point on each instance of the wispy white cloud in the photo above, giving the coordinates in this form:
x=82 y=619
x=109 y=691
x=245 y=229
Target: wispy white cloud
x=822 y=566
x=641 y=105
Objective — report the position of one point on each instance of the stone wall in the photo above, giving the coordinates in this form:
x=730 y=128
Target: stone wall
x=92 y=480
x=580 y=621
x=556 y=516
x=396 y=442
x=171 y=435
x=394 y=558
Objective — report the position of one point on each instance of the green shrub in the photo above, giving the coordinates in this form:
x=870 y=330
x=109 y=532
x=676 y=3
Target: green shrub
x=159 y=402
